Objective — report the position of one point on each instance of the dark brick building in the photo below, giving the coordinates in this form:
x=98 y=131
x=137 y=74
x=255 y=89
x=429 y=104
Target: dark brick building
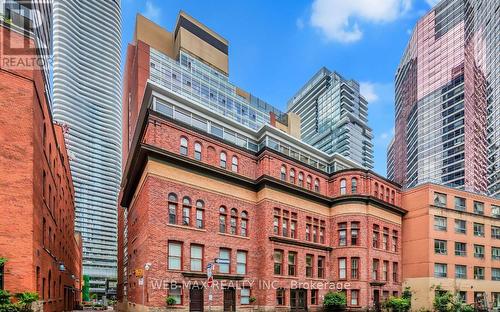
x=37 y=199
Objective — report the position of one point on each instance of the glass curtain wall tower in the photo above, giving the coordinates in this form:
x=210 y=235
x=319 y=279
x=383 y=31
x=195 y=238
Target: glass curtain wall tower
x=447 y=100
x=87 y=99
x=334 y=117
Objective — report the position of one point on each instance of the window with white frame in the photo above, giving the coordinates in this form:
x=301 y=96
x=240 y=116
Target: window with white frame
x=343 y=187
x=196 y=258
x=245 y=296
x=223 y=160
x=175 y=291
x=225 y=255
x=440 y=223
x=197 y=151
x=234 y=164
x=241 y=262
x=440 y=270
x=439 y=199
x=184 y=146
x=174 y=255
x=283 y=173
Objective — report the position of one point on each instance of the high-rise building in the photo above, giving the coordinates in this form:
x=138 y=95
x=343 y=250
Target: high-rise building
x=87 y=99
x=334 y=116
x=447 y=100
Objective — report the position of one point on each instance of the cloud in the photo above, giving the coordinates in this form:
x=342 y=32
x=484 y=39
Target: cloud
x=152 y=11
x=339 y=20
x=367 y=90
x=432 y=3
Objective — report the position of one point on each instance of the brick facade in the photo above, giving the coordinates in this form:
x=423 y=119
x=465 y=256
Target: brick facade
x=173 y=170
x=37 y=199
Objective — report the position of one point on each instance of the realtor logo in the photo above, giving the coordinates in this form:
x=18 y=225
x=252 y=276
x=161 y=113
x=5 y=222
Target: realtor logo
x=25 y=34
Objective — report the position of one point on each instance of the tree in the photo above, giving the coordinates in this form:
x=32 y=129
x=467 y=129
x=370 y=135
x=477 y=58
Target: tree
x=334 y=301
x=443 y=300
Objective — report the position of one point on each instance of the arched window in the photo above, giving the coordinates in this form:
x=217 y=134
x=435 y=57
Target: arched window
x=172 y=208
x=234 y=164
x=301 y=179
x=244 y=224
x=375 y=193
x=222 y=219
x=393 y=195
x=197 y=151
x=309 y=182
x=184 y=146
x=381 y=192
x=234 y=221
x=283 y=173
x=354 y=185
x=343 y=187
x=200 y=207
x=292 y=176
x=316 y=185
x=222 y=160
x=387 y=192
x=186 y=211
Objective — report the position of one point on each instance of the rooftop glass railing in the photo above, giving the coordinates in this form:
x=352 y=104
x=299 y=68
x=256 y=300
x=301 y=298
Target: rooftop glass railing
x=208 y=87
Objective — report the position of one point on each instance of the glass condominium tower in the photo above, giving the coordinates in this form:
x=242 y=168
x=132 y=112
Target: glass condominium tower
x=87 y=99
x=334 y=117
x=447 y=100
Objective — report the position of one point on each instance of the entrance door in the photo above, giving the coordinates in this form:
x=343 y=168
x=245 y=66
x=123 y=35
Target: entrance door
x=196 y=299
x=229 y=300
x=298 y=299
x=376 y=299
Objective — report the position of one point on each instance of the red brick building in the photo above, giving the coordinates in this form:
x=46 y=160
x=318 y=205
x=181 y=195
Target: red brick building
x=289 y=222
x=37 y=234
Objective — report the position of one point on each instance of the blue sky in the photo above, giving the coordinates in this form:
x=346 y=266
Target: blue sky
x=276 y=46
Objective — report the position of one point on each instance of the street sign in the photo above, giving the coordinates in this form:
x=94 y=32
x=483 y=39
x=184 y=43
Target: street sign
x=222 y=261
x=210 y=267
x=141 y=281
x=210 y=281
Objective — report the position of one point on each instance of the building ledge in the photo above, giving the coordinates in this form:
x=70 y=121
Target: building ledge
x=291 y=241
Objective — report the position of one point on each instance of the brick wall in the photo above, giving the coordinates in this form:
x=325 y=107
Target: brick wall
x=37 y=224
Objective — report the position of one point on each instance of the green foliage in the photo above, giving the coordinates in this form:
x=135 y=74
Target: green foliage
x=13 y=307
x=169 y=300
x=334 y=301
x=443 y=300
x=252 y=299
x=406 y=293
x=93 y=296
x=466 y=308
x=4 y=297
x=27 y=298
x=3 y=260
x=398 y=304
